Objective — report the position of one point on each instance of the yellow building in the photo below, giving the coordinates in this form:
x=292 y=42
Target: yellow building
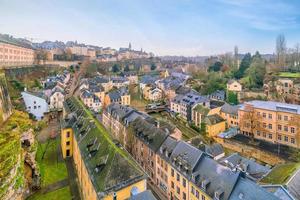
x=104 y=170
x=234 y=86
x=274 y=122
x=215 y=124
x=120 y=96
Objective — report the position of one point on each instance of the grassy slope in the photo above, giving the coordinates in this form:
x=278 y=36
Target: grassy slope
x=281 y=173
x=60 y=194
x=289 y=75
x=52 y=170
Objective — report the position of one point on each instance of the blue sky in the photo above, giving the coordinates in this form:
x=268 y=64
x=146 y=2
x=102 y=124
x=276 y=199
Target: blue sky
x=165 y=27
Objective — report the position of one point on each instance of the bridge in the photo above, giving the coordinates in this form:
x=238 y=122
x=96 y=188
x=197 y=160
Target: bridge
x=156 y=109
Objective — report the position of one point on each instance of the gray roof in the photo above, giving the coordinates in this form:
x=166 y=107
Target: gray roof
x=274 y=106
x=230 y=109
x=185 y=155
x=252 y=169
x=116 y=94
x=148 y=79
x=213 y=119
x=146 y=195
x=248 y=190
x=151 y=135
x=212 y=150
x=190 y=98
x=279 y=191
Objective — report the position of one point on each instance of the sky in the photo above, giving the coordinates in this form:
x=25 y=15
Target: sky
x=164 y=27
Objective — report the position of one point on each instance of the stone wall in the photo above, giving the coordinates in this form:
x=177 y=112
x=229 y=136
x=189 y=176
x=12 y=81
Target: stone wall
x=5 y=103
x=250 y=151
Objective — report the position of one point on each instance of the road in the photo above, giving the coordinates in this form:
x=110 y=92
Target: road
x=293 y=185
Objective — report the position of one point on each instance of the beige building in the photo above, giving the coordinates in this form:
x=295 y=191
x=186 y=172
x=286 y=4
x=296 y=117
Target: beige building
x=15 y=53
x=234 y=86
x=271 y=121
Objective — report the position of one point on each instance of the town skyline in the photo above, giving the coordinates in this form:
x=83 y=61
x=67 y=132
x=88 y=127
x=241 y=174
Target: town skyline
x=182 y=28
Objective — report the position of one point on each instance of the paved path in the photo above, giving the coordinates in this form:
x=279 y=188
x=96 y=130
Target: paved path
x=72 y=179
x=55 y=186
x=156 y=192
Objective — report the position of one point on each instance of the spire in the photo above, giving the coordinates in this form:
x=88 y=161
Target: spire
x=129 y=46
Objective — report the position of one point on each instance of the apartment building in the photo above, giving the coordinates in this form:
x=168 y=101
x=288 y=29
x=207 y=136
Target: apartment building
x=90 y=100
x=152 y=93
x=189 y=173
x=121 y=96
x=271 y=121
x=14 y=52
x=184 y=104
x=103 y=172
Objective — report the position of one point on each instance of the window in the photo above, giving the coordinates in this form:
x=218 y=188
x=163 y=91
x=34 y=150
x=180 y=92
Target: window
x=178 y=190
x=203 y=197
x=177 y=177
x=270 y=126
x=286 y=118
x=158 y=171
x=264 y=115
x=197 y=193
x=258 y=133
x=286 y=128
x=68 y=143
x=264 y=125
x=279 y=137
x=270 y=136
x=34 y=107
x=279 y=127
x=270 y=116
x=172 y=184
x=172 y=172
x=68 y=134
x=193 y=190
x=279 y=117
x=184 y=182
x=293 y=140
x=292 y=130
x=264 y=134
x=258 y=114
x=183 y=195
x=286 y=139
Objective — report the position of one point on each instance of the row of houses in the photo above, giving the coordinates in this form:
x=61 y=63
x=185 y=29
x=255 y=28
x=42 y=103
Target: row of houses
x=101 y=91
x=104 y=170
x=176 y=168
x=50 y=98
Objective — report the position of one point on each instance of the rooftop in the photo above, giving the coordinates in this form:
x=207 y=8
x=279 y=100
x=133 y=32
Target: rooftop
x=109 y=167
x=274 y=106
x=213 y=119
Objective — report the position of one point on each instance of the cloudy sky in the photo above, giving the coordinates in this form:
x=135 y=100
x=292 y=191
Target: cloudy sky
x=165 y=27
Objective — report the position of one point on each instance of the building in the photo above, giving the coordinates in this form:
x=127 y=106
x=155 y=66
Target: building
x=234 y=86
x=215 y=125
x=131 y=76
x=119 y=81
x=92 y=101
x=146 y=141
x=152 y=93
x=216 y=150
x=271 y=121
x=199 y=113
x=146 y=195
x=192 y=174
x=36 y=104
x=230 y=114
x=104 y=170
x=120 y=96
x=56 y=99
x=79 y=50
x=184 y=104
x=14 y=52
x=218 y=95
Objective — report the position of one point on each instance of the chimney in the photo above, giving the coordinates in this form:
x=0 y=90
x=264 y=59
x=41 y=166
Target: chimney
x=157 y=124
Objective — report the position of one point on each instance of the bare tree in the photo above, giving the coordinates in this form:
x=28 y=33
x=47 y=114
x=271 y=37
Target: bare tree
x=281 y=50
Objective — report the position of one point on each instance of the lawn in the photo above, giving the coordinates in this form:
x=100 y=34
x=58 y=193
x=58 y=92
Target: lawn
x=52 y=167
x=281 y=173
x=60 y=194
x=289 y=74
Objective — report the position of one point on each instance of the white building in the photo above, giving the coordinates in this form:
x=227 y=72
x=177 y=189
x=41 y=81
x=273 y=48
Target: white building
x=36 y=104
x=56 y=99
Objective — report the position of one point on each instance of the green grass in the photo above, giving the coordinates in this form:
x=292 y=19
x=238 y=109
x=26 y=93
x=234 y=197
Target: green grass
x=289 y=74
x=60 y=194
x=281 y=173
x=51 y=167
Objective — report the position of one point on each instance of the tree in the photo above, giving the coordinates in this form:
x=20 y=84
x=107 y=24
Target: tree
x=236 y=58
x=215 y=67
x=126 y=68
x=281 y=51
x=232 y=98
x=153 y=67
x=251 y=121
x=256 y=71
x=115 y=68
x=245 y=64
